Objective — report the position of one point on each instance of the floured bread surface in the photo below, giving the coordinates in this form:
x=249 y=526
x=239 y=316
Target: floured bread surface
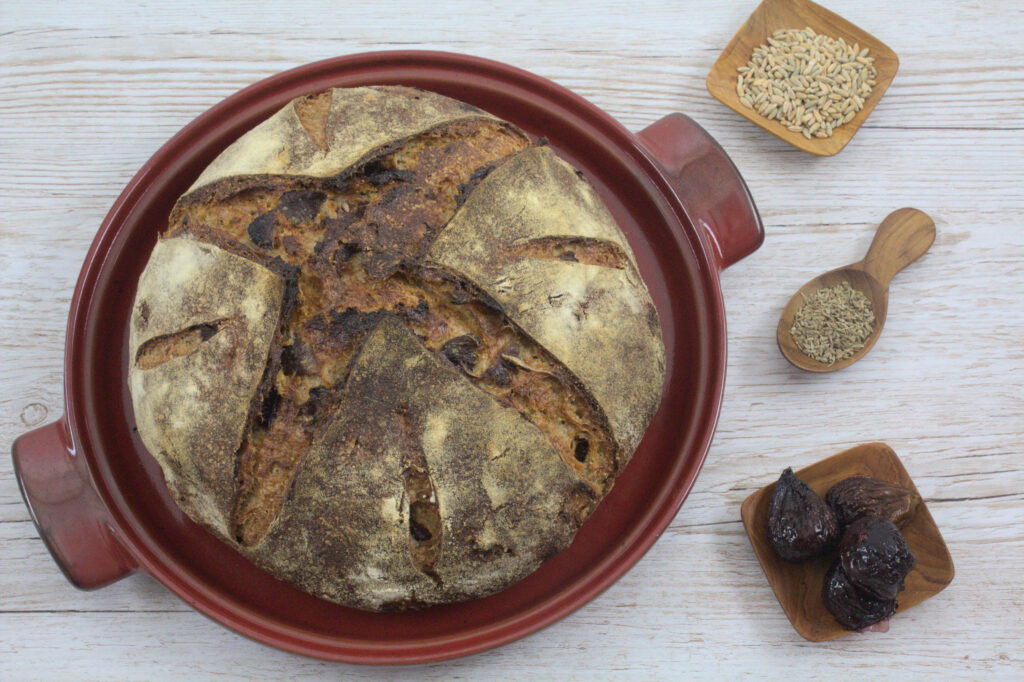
x=391 y=350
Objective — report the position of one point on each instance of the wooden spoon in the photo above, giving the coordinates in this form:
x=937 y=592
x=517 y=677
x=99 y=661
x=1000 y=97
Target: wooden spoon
x=902 y=238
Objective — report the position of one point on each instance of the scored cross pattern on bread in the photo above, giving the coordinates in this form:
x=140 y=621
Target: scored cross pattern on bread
x=391 y=350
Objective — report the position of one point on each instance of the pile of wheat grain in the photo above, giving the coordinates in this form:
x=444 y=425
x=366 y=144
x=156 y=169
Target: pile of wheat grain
x=808 y=82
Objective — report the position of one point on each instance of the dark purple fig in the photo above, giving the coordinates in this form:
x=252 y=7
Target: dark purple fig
x=800 y=524
x=461 y=351
x=876 y=557
x=853 y=609
x=300 y=205
x=261 y=230
x=859 y=496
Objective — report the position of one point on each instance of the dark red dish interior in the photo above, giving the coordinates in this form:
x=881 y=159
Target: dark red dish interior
x=675 y=260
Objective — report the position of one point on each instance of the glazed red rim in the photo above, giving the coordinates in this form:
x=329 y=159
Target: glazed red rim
x=471 y=79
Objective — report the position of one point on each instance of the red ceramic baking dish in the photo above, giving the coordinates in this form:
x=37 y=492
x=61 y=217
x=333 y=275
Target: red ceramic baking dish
x=98 y=498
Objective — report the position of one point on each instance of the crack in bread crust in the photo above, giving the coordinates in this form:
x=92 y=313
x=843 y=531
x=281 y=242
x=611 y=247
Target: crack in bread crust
x=161 y=349
x=586 y=250
x=425 y=526
x=312 y=111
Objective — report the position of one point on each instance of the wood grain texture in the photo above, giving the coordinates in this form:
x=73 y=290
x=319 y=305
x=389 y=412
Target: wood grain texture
x=89 y=91
x=797 y=586
x=779 y=15
x=902 y=237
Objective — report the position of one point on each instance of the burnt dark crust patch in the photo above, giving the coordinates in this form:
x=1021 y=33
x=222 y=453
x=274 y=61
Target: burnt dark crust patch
x=344 y=326
x=375 y=173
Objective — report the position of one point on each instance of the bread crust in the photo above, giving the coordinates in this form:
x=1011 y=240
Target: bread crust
x=425 y=481
x=191 y=411
x=358 y=124
x=505 y=498
x=584 y=314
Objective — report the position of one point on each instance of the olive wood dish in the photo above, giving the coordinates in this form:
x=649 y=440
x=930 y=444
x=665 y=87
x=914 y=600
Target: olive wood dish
x=774 y=15
x=797 y=586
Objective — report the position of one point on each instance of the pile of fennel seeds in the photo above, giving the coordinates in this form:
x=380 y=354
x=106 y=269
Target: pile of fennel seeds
x=833 y=323
x=808 y=82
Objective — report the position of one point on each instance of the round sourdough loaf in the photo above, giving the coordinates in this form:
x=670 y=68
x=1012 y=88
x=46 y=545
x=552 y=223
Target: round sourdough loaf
x=391 y=350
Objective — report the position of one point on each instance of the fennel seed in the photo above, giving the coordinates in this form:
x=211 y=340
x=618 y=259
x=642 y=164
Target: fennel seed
x=833 y=323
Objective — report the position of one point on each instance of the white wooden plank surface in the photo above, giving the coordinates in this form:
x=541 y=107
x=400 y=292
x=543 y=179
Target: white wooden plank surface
x=89 y=91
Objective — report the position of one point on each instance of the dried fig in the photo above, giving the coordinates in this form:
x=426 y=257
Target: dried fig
x=261 y=230
x=301 y=205
x=800 y=524
x=853 y=609
x=859 y=496
x=876 y=557
x=461 y=351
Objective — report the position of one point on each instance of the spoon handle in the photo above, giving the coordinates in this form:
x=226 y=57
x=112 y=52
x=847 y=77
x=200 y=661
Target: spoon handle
x=902 y=238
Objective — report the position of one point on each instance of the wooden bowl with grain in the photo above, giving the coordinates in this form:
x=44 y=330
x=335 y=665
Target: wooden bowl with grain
x=775 y=15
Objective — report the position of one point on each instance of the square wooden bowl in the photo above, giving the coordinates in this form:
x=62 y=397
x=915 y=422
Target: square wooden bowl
x=773 y=15
x=798 y=585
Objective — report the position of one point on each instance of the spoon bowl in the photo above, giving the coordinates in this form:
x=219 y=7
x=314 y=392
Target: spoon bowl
x=858 y=279
x=902 y=238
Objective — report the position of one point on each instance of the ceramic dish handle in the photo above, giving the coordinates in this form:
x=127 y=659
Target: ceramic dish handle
x=67 y=512
x=710 y=188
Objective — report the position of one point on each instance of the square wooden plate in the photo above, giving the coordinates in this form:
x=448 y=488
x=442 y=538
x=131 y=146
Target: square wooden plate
x=798 y=585
x=773 y=15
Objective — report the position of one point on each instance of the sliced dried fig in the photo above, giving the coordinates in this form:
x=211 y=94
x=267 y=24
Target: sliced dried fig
x=859 y=496
x=876 y=557
x=301 y=205
x=461 y=351
x=853 y=609
x=261 y=230
x=800 y=524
